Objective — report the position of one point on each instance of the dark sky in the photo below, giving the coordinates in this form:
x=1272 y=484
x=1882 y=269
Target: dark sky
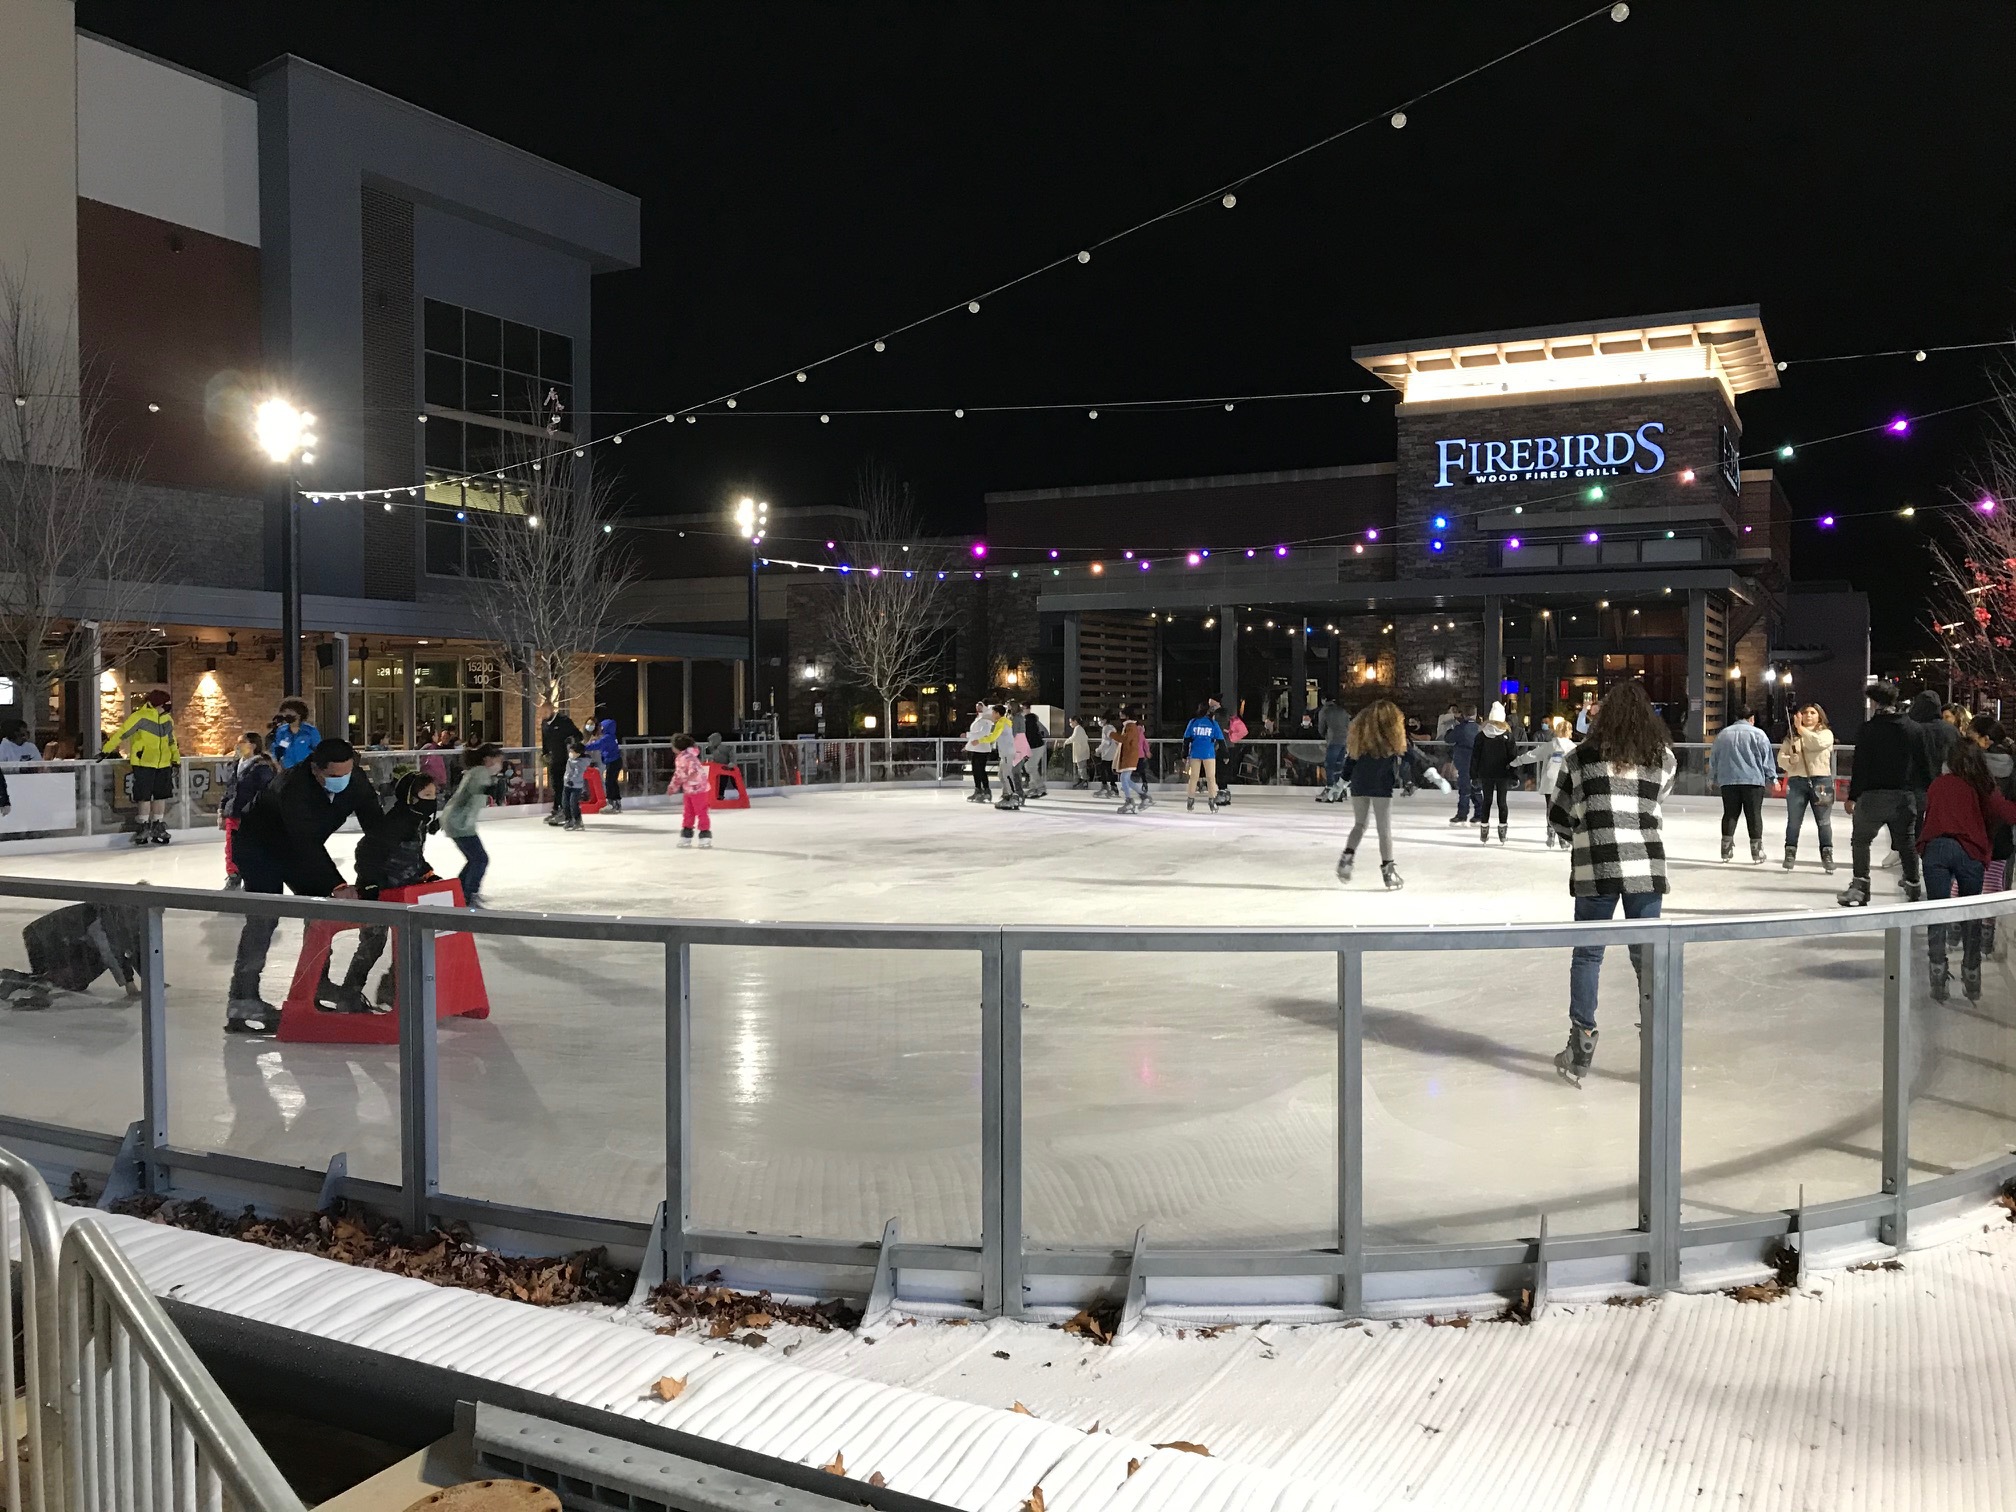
x=815 y=174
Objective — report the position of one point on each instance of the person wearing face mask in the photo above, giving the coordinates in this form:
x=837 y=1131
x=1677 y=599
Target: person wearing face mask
x=393 y=853
x=482 y=781
x=293 y=736
x=282 y=845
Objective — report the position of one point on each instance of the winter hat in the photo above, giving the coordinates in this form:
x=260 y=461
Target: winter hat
x=1497 y=714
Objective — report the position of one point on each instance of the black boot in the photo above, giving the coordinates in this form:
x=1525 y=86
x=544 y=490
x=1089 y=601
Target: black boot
x=1970 y=960
x=1574 y=1061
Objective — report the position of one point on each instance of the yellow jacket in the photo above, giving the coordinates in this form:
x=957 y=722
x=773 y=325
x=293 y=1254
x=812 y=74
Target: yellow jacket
x=149 y=734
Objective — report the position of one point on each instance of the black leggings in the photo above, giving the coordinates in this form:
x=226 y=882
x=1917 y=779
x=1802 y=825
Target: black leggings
x=1747 y=799
x=1500 y=786
x=980 y=760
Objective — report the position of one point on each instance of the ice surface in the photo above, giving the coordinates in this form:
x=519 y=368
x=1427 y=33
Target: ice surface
x=1191 y=1092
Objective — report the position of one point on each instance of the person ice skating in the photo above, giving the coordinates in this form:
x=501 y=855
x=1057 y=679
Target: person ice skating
x=1446 y=720
x=1742 y=764
x=293 y=736
x=573 y=784
x=71 y=947
x=1081 y=756
x=556 y=737
x=1962 y=807
x=250 y=775
x=1142 y=796
x=1555 y=741
x=1232 y=755
x=609 y=749
x=2000 y=757
x=1007 y=762
x=1127 y=758
x=1491 y=773
x=1807 y=755
x=482 y=778
x=1608 y=811
x=1200 y=748
x=1463 y=754
x=1333 y=723
x=1108 y=757
x=16 y=745
x=282 y=845
x=1375 y=754
x=148 y=734
x=393 y=853
x=689 y=780
x=980 y=751
x=1888 y=751
x=1036 y=764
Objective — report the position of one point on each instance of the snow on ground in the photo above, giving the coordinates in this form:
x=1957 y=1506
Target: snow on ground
x=1194 y=1093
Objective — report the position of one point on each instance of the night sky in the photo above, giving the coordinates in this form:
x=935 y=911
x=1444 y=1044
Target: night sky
x=815 y=175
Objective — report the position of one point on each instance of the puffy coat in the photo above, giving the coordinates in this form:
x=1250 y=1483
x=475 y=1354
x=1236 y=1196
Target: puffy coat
x=148 y=734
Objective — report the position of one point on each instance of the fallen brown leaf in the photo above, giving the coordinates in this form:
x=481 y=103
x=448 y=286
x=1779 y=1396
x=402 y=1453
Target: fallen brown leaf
x=1035 y=1502
x=839 y=1465
x=1132 y=1466
x=877 y=1480
x=1186 y=1446
x=669 y=1388
x=1018 y=1407
x=1765 y=1291
x=1096 y=1324
x=757 y=1320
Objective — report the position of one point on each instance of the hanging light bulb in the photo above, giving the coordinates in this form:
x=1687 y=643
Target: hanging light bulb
x=1398 y=119
x=1229 y=201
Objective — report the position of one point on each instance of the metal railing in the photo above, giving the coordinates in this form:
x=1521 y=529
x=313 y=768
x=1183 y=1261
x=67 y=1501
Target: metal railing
x=123 y=1417
x=1003 y=1273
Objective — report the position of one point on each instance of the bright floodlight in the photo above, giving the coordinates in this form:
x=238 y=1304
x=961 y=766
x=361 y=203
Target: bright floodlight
x=280 y=429
x=745 y=517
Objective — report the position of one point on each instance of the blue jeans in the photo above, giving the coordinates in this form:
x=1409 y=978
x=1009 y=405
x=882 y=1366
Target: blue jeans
x=1947 y=863
x=1466 y=795
x=1333 y=764
x=475 y=863
x=1587 y=962
x=1129 y=792
x=1798 y=799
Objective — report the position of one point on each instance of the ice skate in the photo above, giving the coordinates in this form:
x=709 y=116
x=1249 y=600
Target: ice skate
x=160 y=835
x=346 y=996
x=1009 y=804
x=1791 y=857
x=1970 y=981
x=1190 y=804
x=685 y=842
x=1501 y=834
x=1914 y=892
x=1827 y=858
x=978 y=797
x=1580 y=1053
x=233 y=882
x=1390 y=875
x=706 y=842
x=1484 y=833
x=1938 y=977
x=1728 y=847
x=1756 y=852
x=251 y=1016
x=1344 y=863
x=1128 y=808
x=555 y=820
x=1856 y=894
x=144 y=833
x=1459 y=819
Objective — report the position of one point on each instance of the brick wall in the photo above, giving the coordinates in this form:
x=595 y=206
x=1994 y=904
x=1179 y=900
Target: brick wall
x=1693 y=416
x=1419 y=640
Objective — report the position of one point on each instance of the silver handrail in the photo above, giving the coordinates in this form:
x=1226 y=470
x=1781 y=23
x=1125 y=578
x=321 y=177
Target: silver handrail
x=34 y=1213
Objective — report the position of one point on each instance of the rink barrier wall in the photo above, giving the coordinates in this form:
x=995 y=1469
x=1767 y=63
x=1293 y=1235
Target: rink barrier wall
x=60 y=805
x=1004 y=1275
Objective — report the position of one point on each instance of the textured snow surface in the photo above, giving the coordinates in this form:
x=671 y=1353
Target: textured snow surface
x=1883 y=1389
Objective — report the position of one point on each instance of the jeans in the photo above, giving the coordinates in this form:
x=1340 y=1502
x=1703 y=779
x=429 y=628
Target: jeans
x=475 y=865
x=1333 y=763
x=1747 y=799
x=1799 y=797
x=1586 y=964
x=1128 y=793
x=262 y=874
x=1947 y=864
x=1380 y=811
x=1466 y=795
x=570 y=804
x=1891 y=809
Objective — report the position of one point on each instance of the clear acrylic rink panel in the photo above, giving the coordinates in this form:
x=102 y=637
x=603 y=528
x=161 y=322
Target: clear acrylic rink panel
x=1963 y=1083
x=836 y=1089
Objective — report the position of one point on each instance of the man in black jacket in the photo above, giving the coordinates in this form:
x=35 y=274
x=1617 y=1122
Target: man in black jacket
x=553 y=737
x=282 y=844
x=1932 y=738
x=1880 y=794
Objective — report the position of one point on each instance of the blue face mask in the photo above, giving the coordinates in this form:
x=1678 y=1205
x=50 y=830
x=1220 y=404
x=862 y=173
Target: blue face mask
x=335 y=784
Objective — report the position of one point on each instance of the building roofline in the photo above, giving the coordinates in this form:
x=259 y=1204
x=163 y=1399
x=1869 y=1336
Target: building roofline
x=1564 y=328
x=1172 y=485
x=169 y=63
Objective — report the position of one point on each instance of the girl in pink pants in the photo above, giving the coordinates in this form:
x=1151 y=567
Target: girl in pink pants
x=689 y=778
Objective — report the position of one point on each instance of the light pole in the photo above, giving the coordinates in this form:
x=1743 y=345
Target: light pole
x=285 y=434
x=752 y=518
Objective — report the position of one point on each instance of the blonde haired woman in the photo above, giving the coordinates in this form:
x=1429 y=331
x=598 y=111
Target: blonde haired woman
x=1375 y=752
x=1807 y=756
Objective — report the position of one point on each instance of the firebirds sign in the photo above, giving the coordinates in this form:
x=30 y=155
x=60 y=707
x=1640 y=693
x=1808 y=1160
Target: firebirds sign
x=1590 y=454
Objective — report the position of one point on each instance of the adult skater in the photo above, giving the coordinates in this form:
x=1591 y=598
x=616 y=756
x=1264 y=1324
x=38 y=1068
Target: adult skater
x=1081 y=755
x=482 y=779
x=294 y=737
x=153 y=757
x=393 y=853
x=1375 y=753
x=15 y=743
x=1742 y=765
x=1446 y=721
x=251 y=774
x=1003 y=736
x=283 y=845
x=70 y=948
x=606 y=746
x=1108 y=757
x=1962 y=808
x=1880 y=795
x=980 y=751
x=1127 y=745
x=555 y=736
x=1555 y=740
x=1608 y=812
x=1333 y=723
x=689 y=781
x=1036 y=765
x=1807 y=756
x=1491 y=773
x=1463 y=753
x=2000 y=758
x=1200 y=748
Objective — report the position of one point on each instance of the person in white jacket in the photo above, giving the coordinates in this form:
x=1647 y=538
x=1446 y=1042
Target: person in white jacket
x=1546 y=758
x=1081 y=755
x=980 y=751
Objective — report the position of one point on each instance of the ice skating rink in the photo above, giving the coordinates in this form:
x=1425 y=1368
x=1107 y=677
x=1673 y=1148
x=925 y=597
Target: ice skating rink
x=1194 y=1093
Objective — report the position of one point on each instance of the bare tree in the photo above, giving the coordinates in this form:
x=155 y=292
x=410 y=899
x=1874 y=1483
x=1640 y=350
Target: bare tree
x=889 y=616
x=80 y=564
x=1974 y=572
x=547 y=568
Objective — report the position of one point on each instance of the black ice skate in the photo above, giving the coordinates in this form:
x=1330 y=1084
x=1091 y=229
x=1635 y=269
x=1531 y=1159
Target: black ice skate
x=1856 y=894
x=1827 y=858
x=1791 y=857
x=251 y=1016
x=1501 y=834
x=1756 y=852
x=160 y=835
x=1970 y=981
x=143 y=832
x=1728 y=847
x=1574 y=1061
x=1940 y=974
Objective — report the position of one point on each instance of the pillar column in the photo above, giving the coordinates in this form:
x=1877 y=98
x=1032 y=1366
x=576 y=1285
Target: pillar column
x=1298 y=677
x=1697 y=664
x=686 y=695
x=339 y=684
x=643 y=699
x=1073 y=681
x=409 y=677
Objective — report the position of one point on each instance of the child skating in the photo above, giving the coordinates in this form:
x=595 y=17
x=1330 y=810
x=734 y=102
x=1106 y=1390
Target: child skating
x=1491 y=774
x=689 y=780
x=250 y=775
x=573 y=784
x=1375 y=750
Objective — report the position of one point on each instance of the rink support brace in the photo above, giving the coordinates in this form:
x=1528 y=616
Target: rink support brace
x=997 y=1272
